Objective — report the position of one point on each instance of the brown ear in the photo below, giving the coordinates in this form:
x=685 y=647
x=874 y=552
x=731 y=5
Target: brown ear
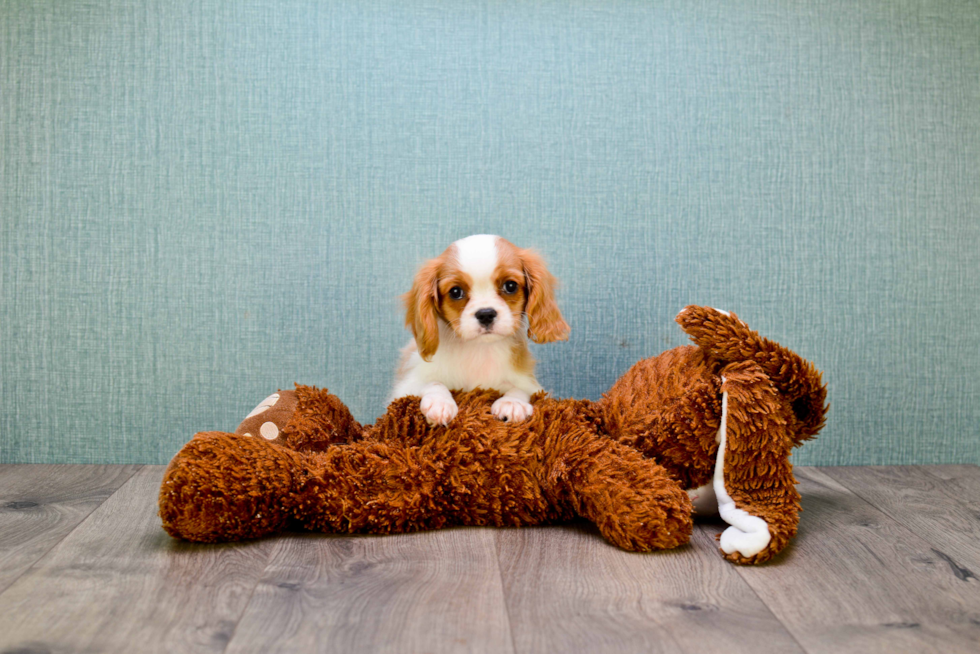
x=420 y=309
x=545 y=323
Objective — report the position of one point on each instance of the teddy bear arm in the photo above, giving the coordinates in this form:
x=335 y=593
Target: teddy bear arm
x=225 y=487
x=633 y=501
x=753 y=479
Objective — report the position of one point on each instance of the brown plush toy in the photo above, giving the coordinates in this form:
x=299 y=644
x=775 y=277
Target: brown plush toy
x=712 y=423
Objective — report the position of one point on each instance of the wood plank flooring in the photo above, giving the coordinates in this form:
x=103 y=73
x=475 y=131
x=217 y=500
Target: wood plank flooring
x=887 y=560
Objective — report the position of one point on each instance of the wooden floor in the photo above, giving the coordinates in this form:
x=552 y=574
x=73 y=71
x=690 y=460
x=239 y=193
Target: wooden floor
x=887 y=560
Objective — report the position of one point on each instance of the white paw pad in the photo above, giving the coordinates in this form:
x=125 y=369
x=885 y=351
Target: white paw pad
x=269 y=431
x=510 y=409
x=438 y=410
x=750 y=536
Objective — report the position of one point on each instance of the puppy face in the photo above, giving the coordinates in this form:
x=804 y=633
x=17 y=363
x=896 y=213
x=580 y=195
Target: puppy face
x=482 y=287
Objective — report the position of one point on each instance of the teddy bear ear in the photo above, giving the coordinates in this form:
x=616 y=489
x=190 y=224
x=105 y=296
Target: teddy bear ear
x=421 y=309
x=545 y=322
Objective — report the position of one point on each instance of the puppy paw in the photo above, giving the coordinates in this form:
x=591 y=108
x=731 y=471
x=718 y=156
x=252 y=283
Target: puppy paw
x=510 y=409
x=438 y=410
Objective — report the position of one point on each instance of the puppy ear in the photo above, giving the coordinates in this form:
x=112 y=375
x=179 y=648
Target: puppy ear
x=420 y=309
x=545 y=323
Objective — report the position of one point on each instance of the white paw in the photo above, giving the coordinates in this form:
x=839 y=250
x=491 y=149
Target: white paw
x=511 y=409
x=438 y=410
x=749 y=542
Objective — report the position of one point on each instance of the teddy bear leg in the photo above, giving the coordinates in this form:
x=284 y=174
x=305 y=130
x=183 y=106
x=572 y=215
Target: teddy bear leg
x=753 y=479
x=633 y=501
x=307 y=419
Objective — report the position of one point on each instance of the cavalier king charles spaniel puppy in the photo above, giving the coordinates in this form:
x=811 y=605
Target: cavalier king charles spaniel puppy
x=471 y=311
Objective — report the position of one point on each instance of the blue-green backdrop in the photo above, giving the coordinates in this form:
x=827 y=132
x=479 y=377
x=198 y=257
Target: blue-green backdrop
x=204 y=201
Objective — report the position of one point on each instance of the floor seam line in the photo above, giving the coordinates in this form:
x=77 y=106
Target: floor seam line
x=68 y=533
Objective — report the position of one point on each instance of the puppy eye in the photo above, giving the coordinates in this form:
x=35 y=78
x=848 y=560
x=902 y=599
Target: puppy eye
x=510 y=287
x=456 y=293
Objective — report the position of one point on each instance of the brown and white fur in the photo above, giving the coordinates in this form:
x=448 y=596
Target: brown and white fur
x=471 y=310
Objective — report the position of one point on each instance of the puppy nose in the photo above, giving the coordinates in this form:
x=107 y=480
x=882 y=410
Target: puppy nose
x=486 y=316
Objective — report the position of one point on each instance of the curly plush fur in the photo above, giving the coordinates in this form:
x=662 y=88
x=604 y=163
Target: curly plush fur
x=627 y=462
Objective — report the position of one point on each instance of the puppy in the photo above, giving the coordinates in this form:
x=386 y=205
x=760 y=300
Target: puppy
x=471 y=310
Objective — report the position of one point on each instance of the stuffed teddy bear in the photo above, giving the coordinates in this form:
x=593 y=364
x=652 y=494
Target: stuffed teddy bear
x=706 y=427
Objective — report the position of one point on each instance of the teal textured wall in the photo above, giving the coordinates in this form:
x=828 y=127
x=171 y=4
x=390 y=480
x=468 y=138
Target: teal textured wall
x=204 y=201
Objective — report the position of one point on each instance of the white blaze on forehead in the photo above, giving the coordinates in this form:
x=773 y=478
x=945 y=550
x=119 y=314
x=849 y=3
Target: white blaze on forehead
x=477 y=257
